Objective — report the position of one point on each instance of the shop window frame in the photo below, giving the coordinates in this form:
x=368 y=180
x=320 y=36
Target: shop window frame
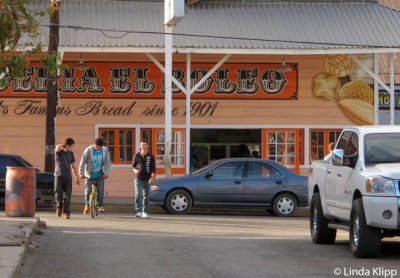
x=115 y=154
x=327 y=138
x=175 y=168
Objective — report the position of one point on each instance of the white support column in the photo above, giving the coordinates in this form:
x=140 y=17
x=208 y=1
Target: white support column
x=168 y=100
x=188 y=114
x=307 y=146
x=137 y=140
x=392 y=97
x=376 y=89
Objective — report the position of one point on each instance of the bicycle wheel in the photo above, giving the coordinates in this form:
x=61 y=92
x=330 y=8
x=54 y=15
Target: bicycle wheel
x=93 y=204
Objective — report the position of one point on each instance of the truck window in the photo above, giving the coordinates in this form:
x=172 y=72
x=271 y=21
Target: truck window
x=344 y=140
x=352 y=148
x=382 y=148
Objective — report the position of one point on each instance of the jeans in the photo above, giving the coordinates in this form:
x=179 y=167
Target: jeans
x=142 y=192
x=63 y=192
x=100 y=190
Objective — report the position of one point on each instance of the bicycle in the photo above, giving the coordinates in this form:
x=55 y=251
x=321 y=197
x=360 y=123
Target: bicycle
x=93 y=201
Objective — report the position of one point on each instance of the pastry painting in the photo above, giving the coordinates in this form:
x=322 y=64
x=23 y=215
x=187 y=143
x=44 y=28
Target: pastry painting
x=347 y=84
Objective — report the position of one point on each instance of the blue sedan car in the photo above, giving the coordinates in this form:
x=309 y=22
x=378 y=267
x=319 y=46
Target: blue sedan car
x=233 y=182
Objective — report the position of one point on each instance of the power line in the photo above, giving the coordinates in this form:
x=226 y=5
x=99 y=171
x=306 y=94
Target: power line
x=125 y=32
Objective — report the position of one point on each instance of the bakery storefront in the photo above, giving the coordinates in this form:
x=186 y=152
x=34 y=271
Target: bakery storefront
x=249 y=104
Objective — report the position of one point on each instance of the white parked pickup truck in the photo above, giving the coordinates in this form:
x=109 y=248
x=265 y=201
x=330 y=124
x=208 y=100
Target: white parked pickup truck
x=357 y=189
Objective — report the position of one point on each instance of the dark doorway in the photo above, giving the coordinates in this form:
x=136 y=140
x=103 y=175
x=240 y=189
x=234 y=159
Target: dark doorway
x=213 y=144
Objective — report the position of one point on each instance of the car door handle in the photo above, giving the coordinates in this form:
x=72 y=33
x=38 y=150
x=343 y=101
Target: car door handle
x=339 y=174
x=278 y=182
x=329 y=171
x=238 y=182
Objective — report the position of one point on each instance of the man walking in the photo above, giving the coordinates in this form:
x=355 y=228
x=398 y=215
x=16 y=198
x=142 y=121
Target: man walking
x=95 y=166
x=144 y=168
x=64 y=162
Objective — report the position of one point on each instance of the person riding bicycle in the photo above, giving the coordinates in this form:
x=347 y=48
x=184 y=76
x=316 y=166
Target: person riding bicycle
x=95 y=166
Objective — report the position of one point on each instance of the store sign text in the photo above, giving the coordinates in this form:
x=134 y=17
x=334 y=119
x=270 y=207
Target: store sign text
x=384 y=99
x=34 y=107
x=145 y=80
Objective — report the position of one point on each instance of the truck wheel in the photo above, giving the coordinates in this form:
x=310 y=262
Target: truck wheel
x=284 y=205
x=365 y=241
x=320 y=232
x=178 y=202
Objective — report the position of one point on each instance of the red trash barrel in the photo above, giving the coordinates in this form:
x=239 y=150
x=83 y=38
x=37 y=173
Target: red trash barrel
x=20 y=191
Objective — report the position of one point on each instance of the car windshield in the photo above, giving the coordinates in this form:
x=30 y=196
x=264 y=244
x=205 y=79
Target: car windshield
x=202 y=170
x=382 y=148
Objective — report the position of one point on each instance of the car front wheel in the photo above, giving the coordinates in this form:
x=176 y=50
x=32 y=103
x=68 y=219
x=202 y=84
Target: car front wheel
x=179 y=202
x=284 y=205
x=365 y=241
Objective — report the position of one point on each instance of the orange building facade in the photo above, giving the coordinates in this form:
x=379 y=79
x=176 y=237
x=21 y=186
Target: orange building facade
x=288 y=116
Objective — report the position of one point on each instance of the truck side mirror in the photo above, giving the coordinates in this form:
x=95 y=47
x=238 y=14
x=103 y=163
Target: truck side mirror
x=351 y=160
x=337 y=157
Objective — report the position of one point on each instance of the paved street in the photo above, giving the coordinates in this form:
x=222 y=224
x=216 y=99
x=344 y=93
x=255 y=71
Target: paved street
x=197 y=245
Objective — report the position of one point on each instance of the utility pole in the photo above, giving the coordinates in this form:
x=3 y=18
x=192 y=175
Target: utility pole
x=52 y=87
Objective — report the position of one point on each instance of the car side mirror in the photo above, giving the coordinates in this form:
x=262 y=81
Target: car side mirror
x=209 y=174
x=337 y=157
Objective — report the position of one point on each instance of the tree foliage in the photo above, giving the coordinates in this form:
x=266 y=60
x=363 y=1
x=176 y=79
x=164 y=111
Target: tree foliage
x=16 y=21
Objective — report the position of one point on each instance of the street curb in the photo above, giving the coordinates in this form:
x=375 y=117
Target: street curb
x=29 y=231
x=300 y=212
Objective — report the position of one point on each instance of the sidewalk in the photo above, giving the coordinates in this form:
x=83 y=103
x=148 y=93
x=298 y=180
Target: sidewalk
x=16 y=232
x=15 y=240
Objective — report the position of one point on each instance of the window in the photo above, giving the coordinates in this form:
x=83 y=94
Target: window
x=284 y=146
x=177 y=147
x=319 y=142
x=262 y=170
x=229 y=170
x=352 y=148
x=344 y=140
x=146 y=135
x=382 y=148
x=281 y=146
x=120 y=143
x=317 y=145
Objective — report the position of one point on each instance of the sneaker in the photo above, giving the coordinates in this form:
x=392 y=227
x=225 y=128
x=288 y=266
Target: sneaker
x=59 y=212
x=101 y=209
x=145 y=215
x=67 y=215
x=138 y=214
x=86 y=210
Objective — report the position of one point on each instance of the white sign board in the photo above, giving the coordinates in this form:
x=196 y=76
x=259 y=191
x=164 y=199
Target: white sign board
x=384 y=106
x=174 y=11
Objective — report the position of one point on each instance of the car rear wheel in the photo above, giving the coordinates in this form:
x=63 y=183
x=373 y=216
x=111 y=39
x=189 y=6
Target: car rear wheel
x=179 y=202
x=320 y=232
x=284 y=205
